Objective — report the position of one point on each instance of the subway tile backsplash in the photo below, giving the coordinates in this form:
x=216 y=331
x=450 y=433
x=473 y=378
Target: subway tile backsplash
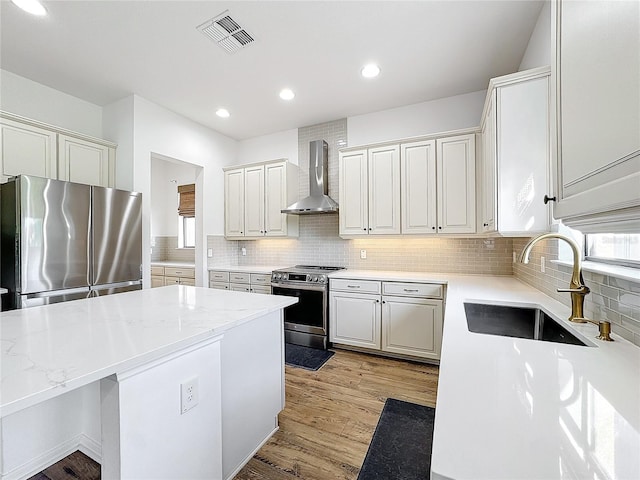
x=166 y=249
x=613 y=299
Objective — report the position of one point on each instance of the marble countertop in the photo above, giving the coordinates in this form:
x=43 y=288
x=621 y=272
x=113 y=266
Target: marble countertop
x=248 y=268
x=168 y=263
x=383 y=275
x=48 y=350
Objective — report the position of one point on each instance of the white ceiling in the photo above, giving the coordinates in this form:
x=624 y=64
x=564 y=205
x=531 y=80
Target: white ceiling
x=104 y=51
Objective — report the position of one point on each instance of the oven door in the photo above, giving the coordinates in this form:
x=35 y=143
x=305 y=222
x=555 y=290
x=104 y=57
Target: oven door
x=309 y=315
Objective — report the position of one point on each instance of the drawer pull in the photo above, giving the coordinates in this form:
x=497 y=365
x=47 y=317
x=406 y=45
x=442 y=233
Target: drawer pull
x=353 y=286
x=177 y=272
x=410 y=290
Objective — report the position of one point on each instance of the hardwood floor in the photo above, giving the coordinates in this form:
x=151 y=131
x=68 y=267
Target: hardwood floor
x=331 y=414
x=327 y=424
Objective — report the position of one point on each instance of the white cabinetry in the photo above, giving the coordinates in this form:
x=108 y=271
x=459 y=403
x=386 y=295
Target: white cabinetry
x=597 y=115
x=419 y=187
x=254 y=196
x=240 y=281
x=515 y=146
x=370 y=191
x=396 y=318
x=28 y=147
x=163 y=276
x=456 y=167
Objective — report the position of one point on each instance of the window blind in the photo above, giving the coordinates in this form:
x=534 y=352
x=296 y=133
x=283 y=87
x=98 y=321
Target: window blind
x=187 y=204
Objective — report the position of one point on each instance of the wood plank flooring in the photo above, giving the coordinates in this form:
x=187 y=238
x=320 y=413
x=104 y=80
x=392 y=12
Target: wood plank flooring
x=327 y=424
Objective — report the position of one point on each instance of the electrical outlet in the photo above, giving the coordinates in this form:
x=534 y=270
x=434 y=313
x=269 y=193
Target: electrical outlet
x=363 y=254
x=188 y=395
x=209 y=252
x=542 y=264
x=514 y=257
x=244 y=252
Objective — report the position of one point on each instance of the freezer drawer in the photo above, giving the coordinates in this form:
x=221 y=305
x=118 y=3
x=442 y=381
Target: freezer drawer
x=103 y=290
x=48 y=298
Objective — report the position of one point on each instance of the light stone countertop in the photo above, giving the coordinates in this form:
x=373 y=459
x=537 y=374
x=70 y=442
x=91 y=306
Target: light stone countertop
x=514 y=408
x=248 y=268
x=48 y=350
x=169 y=263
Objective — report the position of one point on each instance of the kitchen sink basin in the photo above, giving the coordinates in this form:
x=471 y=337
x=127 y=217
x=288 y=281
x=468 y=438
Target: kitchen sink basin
x=518 y=322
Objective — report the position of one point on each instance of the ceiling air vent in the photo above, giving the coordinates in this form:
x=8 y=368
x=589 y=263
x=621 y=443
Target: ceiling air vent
x=226 y=32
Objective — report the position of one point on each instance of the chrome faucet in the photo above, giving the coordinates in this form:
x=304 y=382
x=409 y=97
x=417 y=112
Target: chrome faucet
x=577 y=288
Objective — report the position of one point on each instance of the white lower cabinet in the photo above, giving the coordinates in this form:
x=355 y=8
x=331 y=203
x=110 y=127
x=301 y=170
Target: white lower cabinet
x=240 y=281
x=164 y=276
x=398 y=318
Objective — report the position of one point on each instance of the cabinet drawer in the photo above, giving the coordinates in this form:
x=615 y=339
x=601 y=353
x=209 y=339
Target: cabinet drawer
x=159 y=271
x=238 y=277
x=218 y=276
x=260 y=279
x=357 y=286
x=157 y=281
x=430 y=290
x=171 y=281
x=219 y=285
x=260 y=289
x=180 y=272
x=188 y=281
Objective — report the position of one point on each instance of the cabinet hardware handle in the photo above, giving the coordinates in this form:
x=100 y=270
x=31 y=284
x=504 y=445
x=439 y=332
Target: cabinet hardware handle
x=485 y=224
x=433 y=228
x=439 y=228
x=353 y=286
x=410 y=290
x=384 y=301
x=548 y=199
x=369 y=228
x=377 y=301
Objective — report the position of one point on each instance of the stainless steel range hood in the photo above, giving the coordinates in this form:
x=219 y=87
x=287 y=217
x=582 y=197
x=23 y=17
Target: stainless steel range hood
x=318 y=200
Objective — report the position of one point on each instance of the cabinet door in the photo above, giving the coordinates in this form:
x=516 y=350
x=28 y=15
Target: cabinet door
x=418 y=187
x=456 y=159
x=354 y=319
x=597 y=114
x=81 y=161
x=157 y=281
x=171 y=281
x=234 y=203
x=353 y=193
x=254 y=201
x=522 y=124
x=488 y=201
x=412 y=326
x=275 y=199
x=26 y=150
x=384 y=190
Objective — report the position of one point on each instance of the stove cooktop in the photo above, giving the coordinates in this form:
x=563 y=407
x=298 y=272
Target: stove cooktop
x=311 y=269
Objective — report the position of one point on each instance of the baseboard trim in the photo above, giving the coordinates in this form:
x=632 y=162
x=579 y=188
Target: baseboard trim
x=81 y=442
x=250 y=456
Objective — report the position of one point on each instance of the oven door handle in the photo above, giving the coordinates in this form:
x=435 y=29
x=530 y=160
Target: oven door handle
x=317 y=288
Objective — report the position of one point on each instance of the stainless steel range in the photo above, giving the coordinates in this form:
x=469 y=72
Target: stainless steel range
x=307 y=322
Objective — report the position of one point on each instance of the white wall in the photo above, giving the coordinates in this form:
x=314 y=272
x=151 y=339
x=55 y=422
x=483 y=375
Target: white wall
x=30 y=99
x=160 y=131
x=117 y=125
x=538 y=52
x=269 y=147
x=451 y=113
x=165 y=178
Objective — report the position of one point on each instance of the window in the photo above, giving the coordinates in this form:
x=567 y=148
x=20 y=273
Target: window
x=620 y=249
x=187 y=216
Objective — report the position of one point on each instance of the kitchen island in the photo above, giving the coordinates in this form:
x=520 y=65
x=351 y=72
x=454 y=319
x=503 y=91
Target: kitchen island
x=169 y=382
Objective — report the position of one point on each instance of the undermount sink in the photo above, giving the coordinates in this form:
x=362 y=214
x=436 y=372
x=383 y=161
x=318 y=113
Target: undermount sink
x=518 y=322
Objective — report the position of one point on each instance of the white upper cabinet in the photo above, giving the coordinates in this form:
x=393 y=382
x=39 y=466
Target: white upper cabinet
x=596 y=106
x=29 y=147
x=85 y=162
x=254 y=196
x=384 y=190
x=370 y=191
x=234 y=203
x=422 y=187
x=418 y=187
x=456 y=184
x=254 y=201
x=515 y=154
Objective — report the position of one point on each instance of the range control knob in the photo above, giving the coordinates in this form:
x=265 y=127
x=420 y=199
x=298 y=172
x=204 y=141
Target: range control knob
x=323 y=279
x=315 y=279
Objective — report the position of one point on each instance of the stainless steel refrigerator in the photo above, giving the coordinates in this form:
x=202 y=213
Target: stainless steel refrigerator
x=63 y=241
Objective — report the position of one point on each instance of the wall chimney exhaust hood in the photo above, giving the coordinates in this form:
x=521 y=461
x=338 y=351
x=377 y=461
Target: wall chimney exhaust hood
x=318 y=200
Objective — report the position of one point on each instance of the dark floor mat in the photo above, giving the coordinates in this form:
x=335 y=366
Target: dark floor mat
x=305 y=357
x=401 y=445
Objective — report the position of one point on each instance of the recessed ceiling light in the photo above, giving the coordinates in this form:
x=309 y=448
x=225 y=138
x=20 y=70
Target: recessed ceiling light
x=34 y=7
x=287 y=94
x=222 y=113
x=371 y=70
